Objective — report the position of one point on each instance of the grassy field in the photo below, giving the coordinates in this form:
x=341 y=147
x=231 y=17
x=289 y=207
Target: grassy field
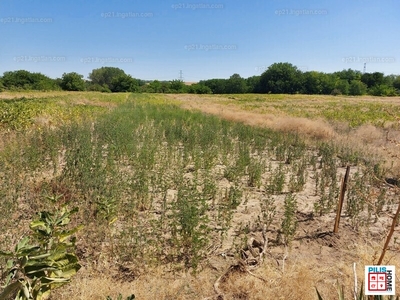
x=195 y=197
x=354 y=111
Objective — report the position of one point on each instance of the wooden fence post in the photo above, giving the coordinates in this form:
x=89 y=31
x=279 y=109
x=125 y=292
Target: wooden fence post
x=341 y=198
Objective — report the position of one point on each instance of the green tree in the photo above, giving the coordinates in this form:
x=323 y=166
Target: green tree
x=253 y=84
x=154 y=86
x=328 y=82
x=389 y=79
x=281 y=78
x=382 y=90
x=72 y=82
x=177 y=86
x=235 y=85
x=157 y=86
x=357 y=88
x=124 y=83
x=217 y=86
x=94 y=87
x=349 y=75
x=45 y=83
x=343 y=86
x=313 y=82
x=165 y=87
x=105 y=75
x=199 y=89
x=372 y=79
x=396 y=83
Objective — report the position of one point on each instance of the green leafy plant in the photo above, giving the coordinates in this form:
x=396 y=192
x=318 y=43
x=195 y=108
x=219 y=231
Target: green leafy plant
x=268 y=210
x=42 y=261
x=190 y=225
x=277 y=180
x=106 y=207
x=255 y=171
x=298 y=176
x=289 y=223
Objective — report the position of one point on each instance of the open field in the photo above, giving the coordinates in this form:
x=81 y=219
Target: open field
x=366 y=124
x=178 y=192
x=355 y=111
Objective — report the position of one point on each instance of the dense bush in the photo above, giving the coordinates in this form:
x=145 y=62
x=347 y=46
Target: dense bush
x=24 y=80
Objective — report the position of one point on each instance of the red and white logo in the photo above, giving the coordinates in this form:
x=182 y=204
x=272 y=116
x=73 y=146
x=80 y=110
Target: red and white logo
x=379 y=280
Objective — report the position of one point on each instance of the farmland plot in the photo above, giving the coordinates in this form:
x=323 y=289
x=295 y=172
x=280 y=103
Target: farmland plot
x=171 y=198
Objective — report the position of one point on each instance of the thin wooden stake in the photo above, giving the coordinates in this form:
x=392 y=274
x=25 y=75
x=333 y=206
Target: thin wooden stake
x=389 y=237
x=355 y=281
x=341 y=198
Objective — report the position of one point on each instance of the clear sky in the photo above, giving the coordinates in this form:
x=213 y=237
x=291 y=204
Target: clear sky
x=156 y=39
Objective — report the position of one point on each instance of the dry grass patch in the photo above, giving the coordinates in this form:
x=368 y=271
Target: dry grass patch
x=297 y=281
x=319 y=129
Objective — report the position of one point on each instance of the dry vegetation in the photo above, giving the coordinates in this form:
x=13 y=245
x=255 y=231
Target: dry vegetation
x=369 y=124
x=175 y=202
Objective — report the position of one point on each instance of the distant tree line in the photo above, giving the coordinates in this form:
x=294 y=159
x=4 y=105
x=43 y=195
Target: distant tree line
x=284 y=78
x=279 y=78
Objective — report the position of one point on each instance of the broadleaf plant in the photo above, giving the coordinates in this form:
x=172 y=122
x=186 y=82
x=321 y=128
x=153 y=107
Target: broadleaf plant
x=42 y=261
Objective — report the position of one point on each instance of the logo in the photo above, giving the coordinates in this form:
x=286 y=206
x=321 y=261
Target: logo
x=379 y=280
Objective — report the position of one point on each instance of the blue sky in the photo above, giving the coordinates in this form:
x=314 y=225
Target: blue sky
x=205 y=39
